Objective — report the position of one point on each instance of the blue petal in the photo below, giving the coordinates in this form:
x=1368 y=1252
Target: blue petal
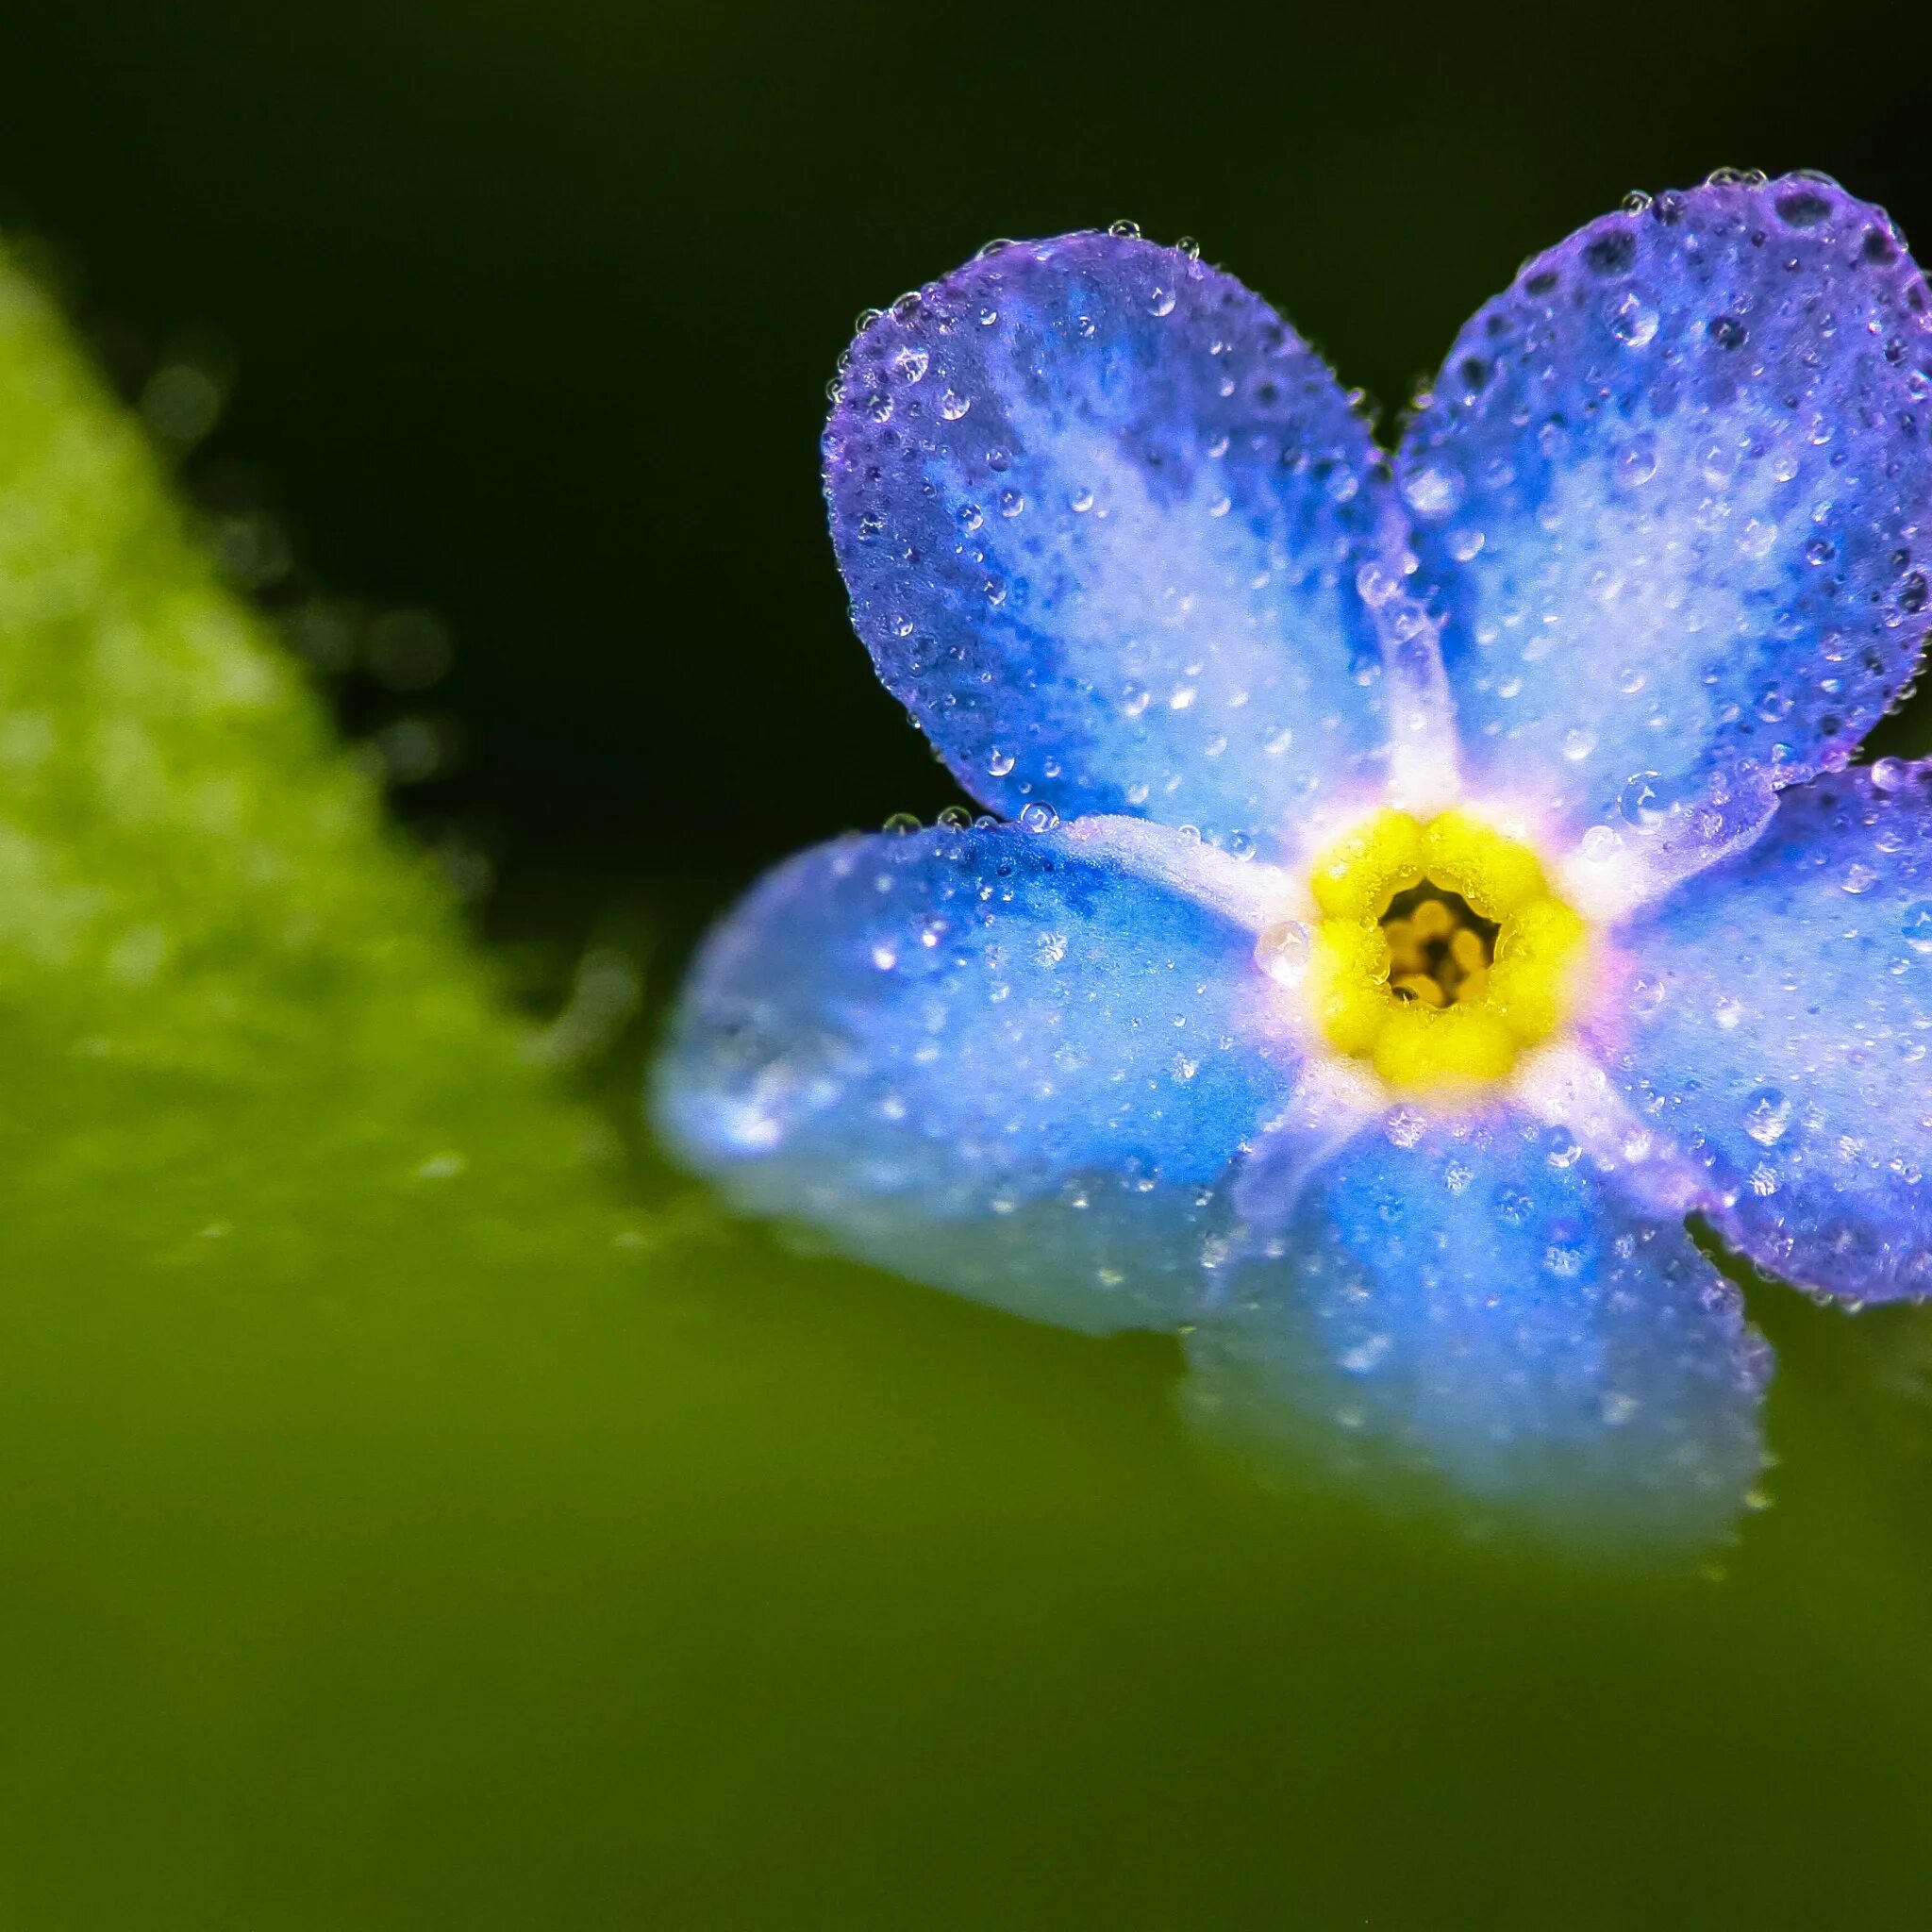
x=1673 y=485
x=999 y=1061
x=1775 y=1018
x=1467 y=1297
x=1103 y=516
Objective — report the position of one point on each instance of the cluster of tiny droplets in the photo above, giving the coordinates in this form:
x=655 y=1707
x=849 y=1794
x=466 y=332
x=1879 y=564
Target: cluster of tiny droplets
x=1794 y=1075
x=1090 y=626
x=1726 y=570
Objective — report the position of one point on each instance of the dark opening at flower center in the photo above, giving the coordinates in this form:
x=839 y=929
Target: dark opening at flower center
x=1439 y=950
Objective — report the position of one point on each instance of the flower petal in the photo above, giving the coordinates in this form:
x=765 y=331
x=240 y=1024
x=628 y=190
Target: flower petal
x=1468 y=1298
x=1004 y=1062
x=1103 y=515
x=1776 y=1017
x=1677 y=488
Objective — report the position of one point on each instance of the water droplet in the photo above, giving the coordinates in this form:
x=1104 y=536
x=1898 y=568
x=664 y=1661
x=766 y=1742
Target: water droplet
x=1645 y=996
x=1080 y=502
x=1601 y=844
x=953 y=405
x=999 y=762
x=1124 y=231
x=1633 y=321
x=1918 y=925
x=1859 y=877
x=911 y=363
x=1641 y=804
x=1767 y=1114
x=1434 y=492
x=1161 y=300
x=955 y=818
x=1888 y=775
x=1637 y=460
x=1513 y=1207
x=1578 y=743
x=902 y=823
x=1281 y=952
x=1564 y=1150
x=1038 y=817
x=1565 y=1251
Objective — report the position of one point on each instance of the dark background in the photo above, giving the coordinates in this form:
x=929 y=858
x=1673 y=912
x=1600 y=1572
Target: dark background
x=530 y=312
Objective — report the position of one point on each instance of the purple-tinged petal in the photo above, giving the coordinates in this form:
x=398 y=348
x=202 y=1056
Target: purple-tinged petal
x=1104 y=517
x=1774 y=1018
x=1676 y=488
x=1469 y=1299
x=1007 y=1063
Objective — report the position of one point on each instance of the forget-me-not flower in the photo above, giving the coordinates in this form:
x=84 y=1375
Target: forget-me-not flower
x=1416 y=884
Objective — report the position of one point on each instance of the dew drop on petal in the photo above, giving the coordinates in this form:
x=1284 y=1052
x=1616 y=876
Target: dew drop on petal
x=1633 y=321
x=1435 y=491
x=1641 y=804
x=1282 y=952
x=1767 y=1114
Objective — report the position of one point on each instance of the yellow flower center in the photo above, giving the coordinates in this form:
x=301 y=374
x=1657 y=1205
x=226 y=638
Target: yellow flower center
x=1440 y=952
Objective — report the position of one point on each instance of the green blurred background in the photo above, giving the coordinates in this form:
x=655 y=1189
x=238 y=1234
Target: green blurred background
x=416 y=1508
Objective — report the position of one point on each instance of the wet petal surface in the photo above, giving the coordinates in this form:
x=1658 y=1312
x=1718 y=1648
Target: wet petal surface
x=1469 y=1299
x=1104 y=517
x=1001 y=1062
x=1776 y=1017
x=1675 y=490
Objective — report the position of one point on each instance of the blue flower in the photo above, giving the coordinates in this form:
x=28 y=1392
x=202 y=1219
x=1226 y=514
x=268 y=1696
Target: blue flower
x=1414 y=885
